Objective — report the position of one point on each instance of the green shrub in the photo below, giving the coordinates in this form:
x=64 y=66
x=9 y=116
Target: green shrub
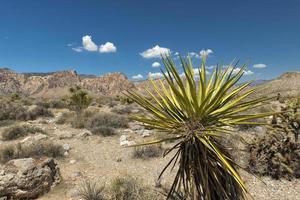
x=79 y=99
x=16 y=132
x=146 y=152
x=90 y=190
x=103 y=130
x=38 y=150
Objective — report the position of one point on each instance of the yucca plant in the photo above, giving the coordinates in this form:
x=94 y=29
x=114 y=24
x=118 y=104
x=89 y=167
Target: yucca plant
x=196 y=111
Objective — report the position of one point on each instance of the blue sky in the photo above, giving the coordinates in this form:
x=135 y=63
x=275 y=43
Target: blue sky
x=97 y=37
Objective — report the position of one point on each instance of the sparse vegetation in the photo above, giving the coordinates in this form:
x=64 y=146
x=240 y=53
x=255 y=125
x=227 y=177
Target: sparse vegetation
x=16 y=132
x=275 y=155
x=49 y=149
x=107 y=119
x=129 y=188
x=103 y=130
x=16 y=111
x=90 y=190
x=146 y=152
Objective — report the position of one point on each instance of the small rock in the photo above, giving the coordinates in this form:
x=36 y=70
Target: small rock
x=39 y=137
x=135 y=111
x=2 y=172
x=66 y=135
x=66 y=147
x=146 y=133
x=124 y=143
x=127 y=131
x=66 y=154
x=27 y=139
x=129 y=143
x=76 y=174
x=84 y=134
x=123 y=138
x=72 y=161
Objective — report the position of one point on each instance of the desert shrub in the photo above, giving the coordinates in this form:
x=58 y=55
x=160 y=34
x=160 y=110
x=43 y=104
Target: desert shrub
x=79 y=99
x=106 y=100
x=7 y=153
x=129 y=188
x=38 y=111
x=275 y=155
x=81 y=119
x=108 y=120
x=122 y=110
x=103 y=130
x=41 y=149
x=66 y=117
x=16 y=132
x=15 y=111
x=90 y=190
x=52 y=103
x=149 y=151
x=6 y=122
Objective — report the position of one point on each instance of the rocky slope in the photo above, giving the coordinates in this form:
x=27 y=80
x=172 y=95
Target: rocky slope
x=53 y=84
x=57 y=84
x=288 y=85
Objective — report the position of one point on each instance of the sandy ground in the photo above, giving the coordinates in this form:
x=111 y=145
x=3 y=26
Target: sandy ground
x=102 y=159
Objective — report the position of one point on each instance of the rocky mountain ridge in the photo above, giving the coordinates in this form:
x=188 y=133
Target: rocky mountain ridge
x=58 y=83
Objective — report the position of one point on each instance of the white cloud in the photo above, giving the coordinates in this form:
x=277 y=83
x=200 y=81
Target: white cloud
x=205 y=53
x=194 y=54
x=108 y=47
x=77 y=49
x=156 y=64
x=210 y=67
x=70 y=44
x=155 y=75
x=246 y=72
x=88 y=44
x=260 y=65
x=137 y=77
x=155 y=52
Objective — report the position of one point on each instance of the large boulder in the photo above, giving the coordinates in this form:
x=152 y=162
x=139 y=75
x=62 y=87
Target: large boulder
x=28 y=178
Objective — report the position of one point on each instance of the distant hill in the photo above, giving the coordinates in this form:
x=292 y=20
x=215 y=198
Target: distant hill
x=288 y=85
x=55 y=84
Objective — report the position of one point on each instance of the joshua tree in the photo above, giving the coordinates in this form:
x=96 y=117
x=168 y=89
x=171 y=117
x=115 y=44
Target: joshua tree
x=196 y=112
x=79 y=99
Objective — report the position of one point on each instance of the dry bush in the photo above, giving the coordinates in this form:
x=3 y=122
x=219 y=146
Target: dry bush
x=16 y=132
x=90 y=190
x=130 y=188
x=52 y=103
x=275 y=155
x=16 y=111
x=41 y=149
x=103 y=130
x=107 y=119
x=81 y=119
x=146 y=152
x=66 y=117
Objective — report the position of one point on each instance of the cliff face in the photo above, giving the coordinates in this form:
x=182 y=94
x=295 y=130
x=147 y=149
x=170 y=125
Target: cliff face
x=58 y=83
